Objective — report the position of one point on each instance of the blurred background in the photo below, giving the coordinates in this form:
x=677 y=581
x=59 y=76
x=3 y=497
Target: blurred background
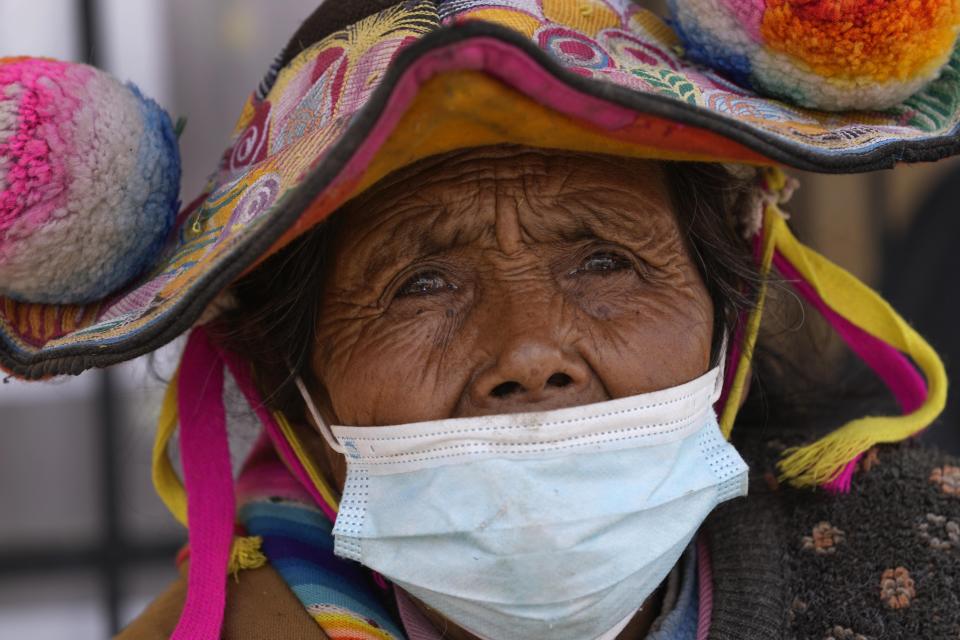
x=84 y=543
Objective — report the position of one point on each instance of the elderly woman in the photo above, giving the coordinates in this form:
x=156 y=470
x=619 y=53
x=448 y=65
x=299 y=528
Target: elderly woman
x=491 y=277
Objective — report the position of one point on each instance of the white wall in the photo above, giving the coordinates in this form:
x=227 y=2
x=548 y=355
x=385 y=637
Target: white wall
x=136 y=44
x=39 y=28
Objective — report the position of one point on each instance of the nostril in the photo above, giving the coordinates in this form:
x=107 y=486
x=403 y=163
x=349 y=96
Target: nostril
x=505 y=389
x=559 y=380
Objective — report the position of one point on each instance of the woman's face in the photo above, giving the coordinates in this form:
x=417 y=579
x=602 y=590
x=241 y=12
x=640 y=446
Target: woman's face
x=506 y=280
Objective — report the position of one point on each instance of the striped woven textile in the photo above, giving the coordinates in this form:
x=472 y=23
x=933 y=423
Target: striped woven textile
x=342 y=596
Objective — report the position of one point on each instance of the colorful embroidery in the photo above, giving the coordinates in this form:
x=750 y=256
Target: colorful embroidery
x=297 y=539
x=824 y=540
x=338 y=594
x=934 y=108
x=948 y=479
x=939 y=533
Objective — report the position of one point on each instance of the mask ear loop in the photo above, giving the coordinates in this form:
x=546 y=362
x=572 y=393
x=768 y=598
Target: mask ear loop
x=719 y=384
x=165 y=480
x=319 y=422
x=305 y=460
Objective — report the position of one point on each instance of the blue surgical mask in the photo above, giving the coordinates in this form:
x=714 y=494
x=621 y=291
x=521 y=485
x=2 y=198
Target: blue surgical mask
x=556 y=524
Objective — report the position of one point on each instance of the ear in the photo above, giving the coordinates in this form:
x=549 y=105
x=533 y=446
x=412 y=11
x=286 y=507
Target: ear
x=89 y=181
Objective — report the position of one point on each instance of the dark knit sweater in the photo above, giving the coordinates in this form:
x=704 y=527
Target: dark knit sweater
x=880 y=562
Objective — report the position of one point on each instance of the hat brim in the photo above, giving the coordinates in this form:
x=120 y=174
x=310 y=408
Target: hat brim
x=460 y=86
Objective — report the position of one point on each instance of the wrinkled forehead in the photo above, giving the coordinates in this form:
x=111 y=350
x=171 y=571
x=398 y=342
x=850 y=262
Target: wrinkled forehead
x=461 y=197
x=549 y=170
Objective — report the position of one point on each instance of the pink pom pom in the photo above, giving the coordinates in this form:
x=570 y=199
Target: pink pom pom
x=89 y=176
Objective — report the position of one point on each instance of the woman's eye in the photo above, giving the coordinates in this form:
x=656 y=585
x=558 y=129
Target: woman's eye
x=604 y=262
x=425 y=283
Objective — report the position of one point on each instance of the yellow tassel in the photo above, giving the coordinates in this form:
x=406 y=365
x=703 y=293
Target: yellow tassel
x=823 y=460
x=818 y=463
x=245 y=553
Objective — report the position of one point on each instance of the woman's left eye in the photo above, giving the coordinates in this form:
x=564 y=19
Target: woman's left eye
x=604 y=262
x=425 y=283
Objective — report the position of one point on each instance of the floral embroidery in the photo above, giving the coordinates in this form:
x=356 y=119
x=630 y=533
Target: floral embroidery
x=842 y=633
x=250 y=146
x=824 y=540
x=669 y=82
x=576 y=50
x=939 y=533
x=896 y=588
x=948 y=477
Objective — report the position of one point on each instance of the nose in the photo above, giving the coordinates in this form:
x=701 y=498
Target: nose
x=531 y=373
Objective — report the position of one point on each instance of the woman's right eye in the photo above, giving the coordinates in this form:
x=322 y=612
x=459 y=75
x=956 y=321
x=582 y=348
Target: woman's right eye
x=425 y=283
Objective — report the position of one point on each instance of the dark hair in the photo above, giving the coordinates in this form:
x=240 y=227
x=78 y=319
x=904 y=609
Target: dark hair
x=277 y=306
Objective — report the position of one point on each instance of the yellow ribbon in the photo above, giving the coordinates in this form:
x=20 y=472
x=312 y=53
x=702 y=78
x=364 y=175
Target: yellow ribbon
x=823 y=460
x=752 y=330
x=166 y=482
x=308 y=464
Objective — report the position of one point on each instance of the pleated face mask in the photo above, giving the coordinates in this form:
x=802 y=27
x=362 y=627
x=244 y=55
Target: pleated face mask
x=556 y=524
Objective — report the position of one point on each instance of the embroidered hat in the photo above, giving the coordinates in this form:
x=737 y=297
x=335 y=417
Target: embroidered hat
x=367 y=87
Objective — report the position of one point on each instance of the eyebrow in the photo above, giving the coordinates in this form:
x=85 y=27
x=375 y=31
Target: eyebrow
x=419 y=243
x=576 y=232
x=641 y=217
x=408 y=243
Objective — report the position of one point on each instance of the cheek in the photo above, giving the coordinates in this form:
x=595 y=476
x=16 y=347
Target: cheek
x=649 y=338
x=390 y=369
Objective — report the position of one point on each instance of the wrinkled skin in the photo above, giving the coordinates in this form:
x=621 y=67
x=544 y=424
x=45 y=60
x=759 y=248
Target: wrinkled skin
x=505 y=280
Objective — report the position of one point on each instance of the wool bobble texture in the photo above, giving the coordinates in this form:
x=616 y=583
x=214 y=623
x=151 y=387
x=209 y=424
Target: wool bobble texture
x=824 y=54
x=89 y=181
